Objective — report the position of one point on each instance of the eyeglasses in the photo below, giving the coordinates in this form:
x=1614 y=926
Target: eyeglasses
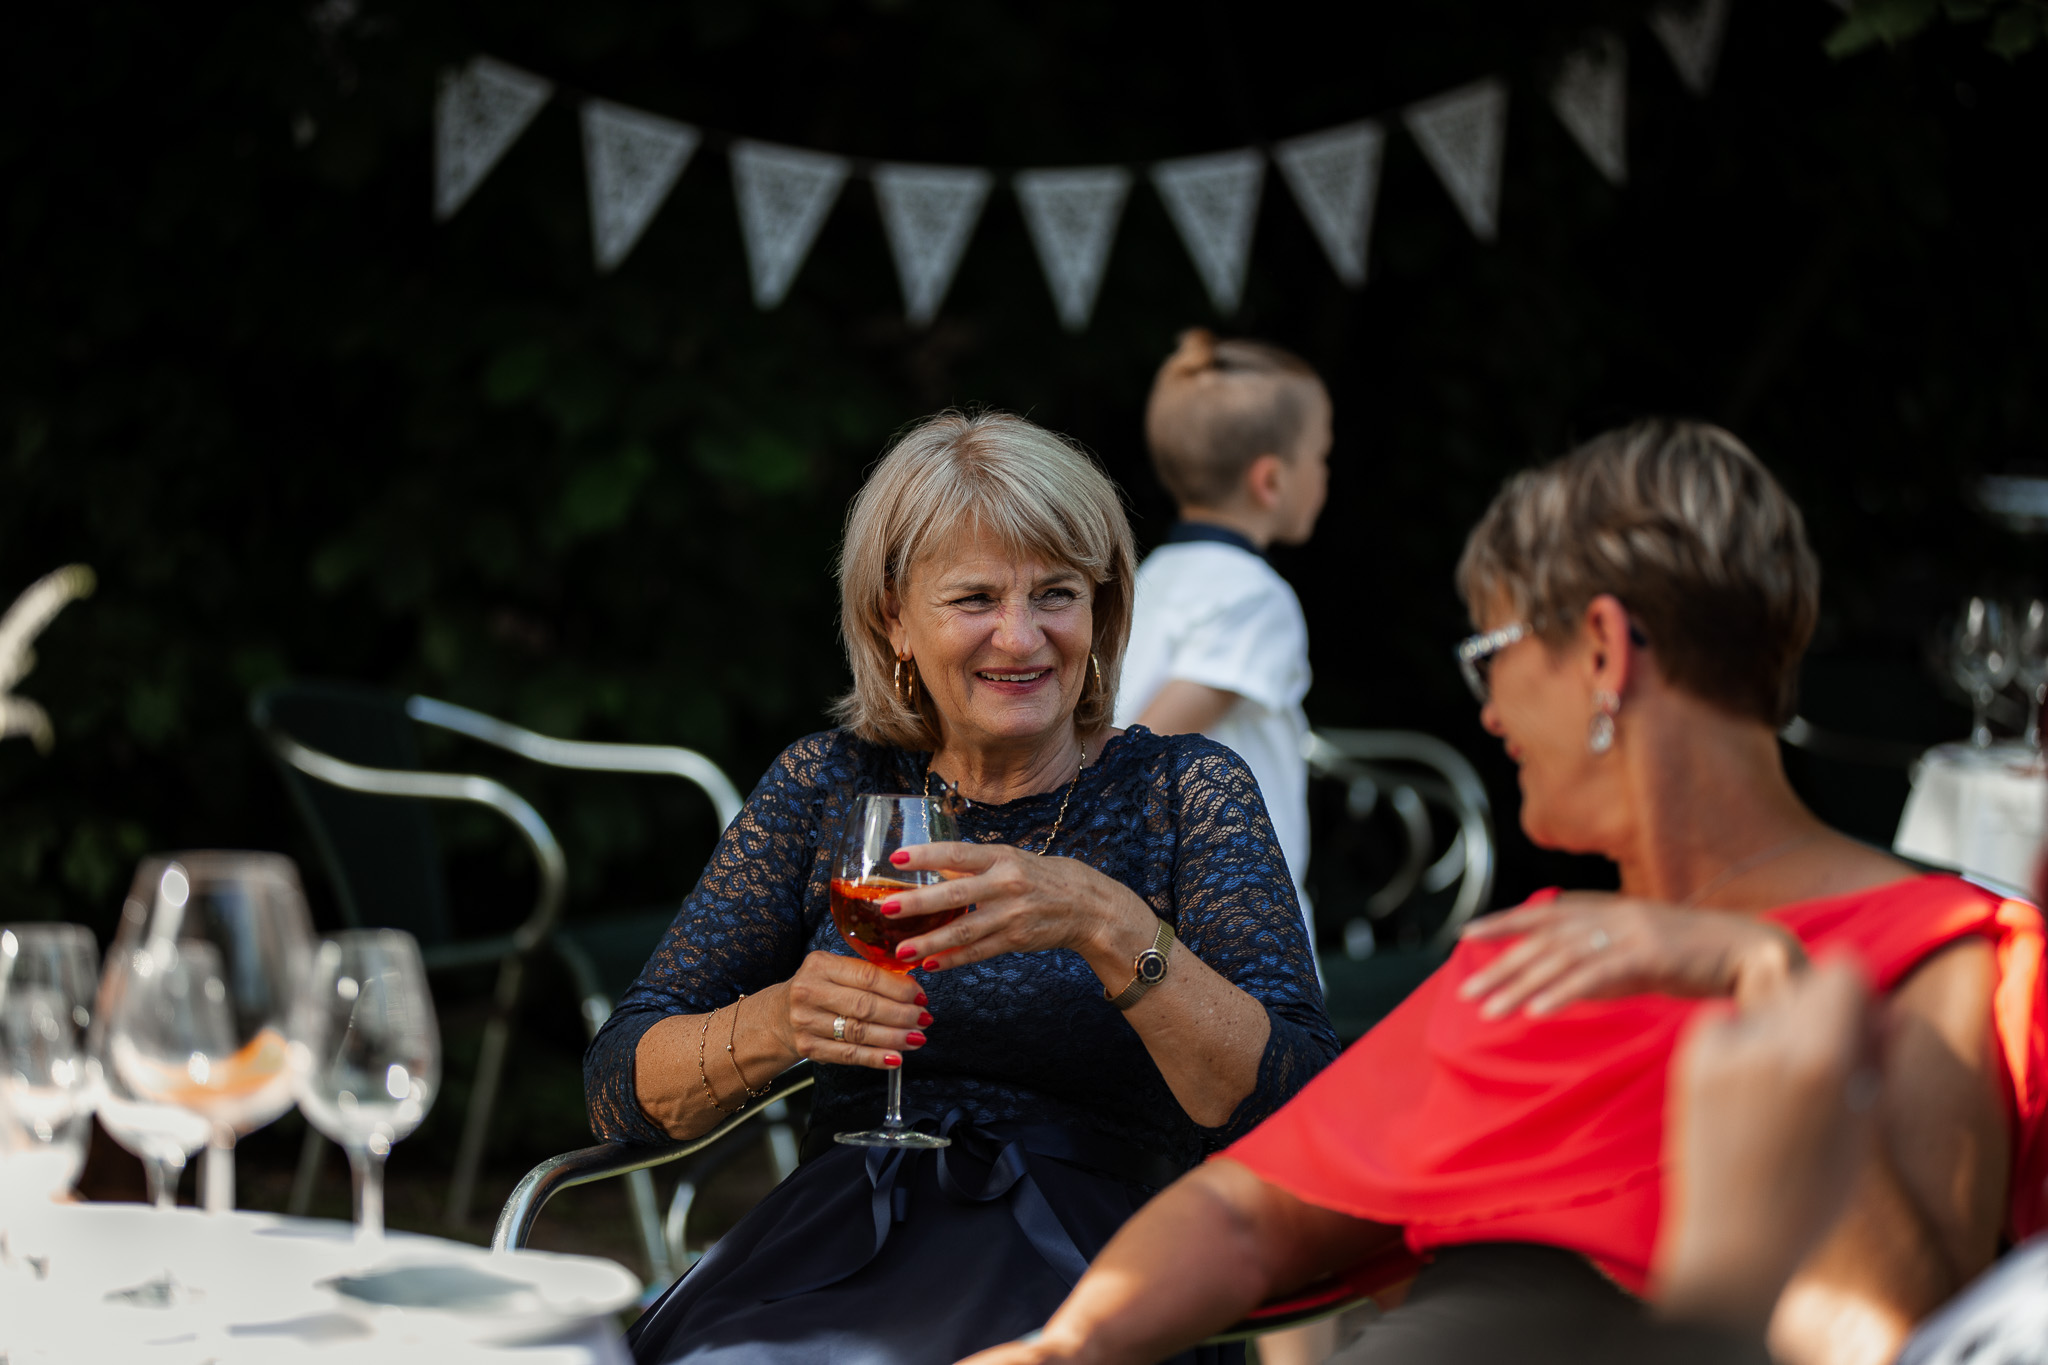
x=1475 y=656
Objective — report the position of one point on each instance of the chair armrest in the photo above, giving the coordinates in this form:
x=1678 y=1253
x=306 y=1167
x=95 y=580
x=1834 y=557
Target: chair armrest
x=590 y=1164
x=482 y=791
x=587 y=755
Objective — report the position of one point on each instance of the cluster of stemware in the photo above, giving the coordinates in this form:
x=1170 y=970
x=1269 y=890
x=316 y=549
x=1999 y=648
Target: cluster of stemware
x=1994 y=645
x=216 y=1011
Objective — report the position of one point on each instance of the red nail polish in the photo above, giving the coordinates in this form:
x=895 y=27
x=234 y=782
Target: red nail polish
x=891 y=1059
x=914 y=1038
x=900 y=856
x=924 y=1017
x=922 y=1001
x=931 y=964
x=890 y=907
x=905 y=953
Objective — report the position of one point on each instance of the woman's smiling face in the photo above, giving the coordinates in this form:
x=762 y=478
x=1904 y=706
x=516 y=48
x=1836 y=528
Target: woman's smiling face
x=1001 y=642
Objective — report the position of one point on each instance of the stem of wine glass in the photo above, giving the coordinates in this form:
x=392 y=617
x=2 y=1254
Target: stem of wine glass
x=2034 y=718
x=163 y=1181
x=1980 y=724
x=894 y=1118
x=219 y=1173
x=369 y=1173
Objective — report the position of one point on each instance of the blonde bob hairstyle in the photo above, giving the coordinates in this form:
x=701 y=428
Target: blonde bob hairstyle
x=954 y=473
x=1687 y=528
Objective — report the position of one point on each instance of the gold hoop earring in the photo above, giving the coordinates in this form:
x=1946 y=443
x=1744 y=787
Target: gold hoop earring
x=906 y=692
x=1094 y=660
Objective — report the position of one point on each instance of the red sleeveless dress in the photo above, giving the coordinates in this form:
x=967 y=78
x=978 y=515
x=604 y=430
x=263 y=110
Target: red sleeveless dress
x=1461 y=1129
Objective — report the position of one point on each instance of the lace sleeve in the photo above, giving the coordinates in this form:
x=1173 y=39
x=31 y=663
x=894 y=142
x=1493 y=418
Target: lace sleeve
x=1236 y=910
x=741 y=929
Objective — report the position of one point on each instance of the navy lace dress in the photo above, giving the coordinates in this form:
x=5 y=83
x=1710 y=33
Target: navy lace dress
x=1062 y=1124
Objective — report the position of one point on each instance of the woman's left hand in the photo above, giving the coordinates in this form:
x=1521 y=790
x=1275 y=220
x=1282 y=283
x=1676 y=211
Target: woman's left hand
x=1023 y=903
x=1588 y=945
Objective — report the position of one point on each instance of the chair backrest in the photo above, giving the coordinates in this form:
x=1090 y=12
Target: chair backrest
x=1414 y=849
x=380 y=853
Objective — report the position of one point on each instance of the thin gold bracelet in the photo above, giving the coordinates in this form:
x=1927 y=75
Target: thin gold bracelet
x=703 y=1075
x=733 y=1057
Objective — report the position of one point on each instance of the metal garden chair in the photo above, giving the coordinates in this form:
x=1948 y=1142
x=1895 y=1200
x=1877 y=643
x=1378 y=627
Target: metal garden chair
x=345 y=751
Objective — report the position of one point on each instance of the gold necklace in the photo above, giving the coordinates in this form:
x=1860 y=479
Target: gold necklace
x=1749 y=864
x=1058 y=817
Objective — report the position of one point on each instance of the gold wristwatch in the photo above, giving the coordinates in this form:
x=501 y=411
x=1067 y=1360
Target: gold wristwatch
x=1148 y=969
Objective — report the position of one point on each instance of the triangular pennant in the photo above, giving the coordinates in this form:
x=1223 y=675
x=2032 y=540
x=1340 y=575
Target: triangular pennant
x=928 y=213
x=479 y=113
x=1072 y=216
x=784 y=194
x=1462 y=133
x=1335 y=177
x=631 y=161
x=1590 y=96
x=1691 y=32
x=1214 y=202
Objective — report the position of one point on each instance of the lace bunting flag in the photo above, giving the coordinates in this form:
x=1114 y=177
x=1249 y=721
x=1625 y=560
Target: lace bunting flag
x=1072 y=216
x=631 y=160
x=784 y=194
x=1214 y=202
x=928 y=213
x=1692 y=33
x=1335 y=177
x=479 y=112
x=1590 y=96
x=1463 y=133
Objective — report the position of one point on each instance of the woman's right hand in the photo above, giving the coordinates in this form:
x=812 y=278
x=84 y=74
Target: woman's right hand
x=884 y=1012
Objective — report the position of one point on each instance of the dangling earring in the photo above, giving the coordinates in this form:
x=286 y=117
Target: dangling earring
x=906 y=692
x=1097 y=664
x=1600 y=735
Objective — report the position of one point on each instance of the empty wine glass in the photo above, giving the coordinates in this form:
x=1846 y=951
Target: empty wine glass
x=1981 y=660
x=2030 y=659
x=250 y=908
x=367 y=1054
x=863 y=877
x=48 y=1079
x=170 y=1035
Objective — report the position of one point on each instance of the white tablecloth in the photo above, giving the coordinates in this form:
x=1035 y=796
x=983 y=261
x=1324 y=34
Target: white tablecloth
x=260 y=1299
x=1980 y=811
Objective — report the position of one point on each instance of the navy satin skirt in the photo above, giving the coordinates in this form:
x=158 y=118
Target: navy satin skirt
x=867 y=1257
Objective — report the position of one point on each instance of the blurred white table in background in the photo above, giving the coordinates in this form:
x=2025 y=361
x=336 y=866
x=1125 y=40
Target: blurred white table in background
x=1980 y=811
x=68 y=1276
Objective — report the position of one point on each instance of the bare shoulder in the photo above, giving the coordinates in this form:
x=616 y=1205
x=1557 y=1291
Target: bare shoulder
x=1849 y=865
x=1951 y=989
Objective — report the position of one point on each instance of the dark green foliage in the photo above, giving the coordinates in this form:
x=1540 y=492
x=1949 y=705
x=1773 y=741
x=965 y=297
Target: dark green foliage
x=2012 y=26
x=299 y=429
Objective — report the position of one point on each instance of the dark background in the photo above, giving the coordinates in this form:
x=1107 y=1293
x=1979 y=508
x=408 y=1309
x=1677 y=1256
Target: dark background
x=301 y=430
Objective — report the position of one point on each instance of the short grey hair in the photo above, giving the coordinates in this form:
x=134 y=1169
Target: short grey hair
x=1037 y=492
x=1684 y=525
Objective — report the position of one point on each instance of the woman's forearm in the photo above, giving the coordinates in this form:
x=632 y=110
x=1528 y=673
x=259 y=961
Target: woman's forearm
x=666 y=1076
x=1205 y=1035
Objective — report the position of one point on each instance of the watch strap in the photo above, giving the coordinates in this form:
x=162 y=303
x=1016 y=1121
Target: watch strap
x=1162 y=948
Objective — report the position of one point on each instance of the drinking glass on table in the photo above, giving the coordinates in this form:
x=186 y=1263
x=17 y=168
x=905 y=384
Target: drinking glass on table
x=863 y=877
x=2030 y=665
x=367 y=1054
x=169 y=1040
x=250 y=908
x=1981 y=659
x=49 y=1081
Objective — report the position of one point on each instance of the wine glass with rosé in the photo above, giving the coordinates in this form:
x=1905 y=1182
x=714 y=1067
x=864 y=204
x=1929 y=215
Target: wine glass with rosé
x=862 y=879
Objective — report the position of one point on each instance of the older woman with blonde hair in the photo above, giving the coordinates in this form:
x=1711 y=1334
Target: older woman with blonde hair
x=1131 y=991
x=1642 y=607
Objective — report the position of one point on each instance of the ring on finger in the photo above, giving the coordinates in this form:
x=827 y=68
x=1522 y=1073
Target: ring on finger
x=839 y=1028
x=1599 y=941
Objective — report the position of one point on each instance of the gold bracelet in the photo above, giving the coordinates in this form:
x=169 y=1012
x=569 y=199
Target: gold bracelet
x=705 y=1076
x=733 y=1057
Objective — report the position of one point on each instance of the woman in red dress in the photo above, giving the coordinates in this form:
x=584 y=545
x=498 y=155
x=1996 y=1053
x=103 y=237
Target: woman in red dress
x=1643 y=606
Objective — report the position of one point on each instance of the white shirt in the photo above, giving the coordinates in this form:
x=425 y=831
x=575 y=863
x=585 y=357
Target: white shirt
x=1219 y=615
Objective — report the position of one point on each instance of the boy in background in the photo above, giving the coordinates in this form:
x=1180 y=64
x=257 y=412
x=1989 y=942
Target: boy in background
x=1240 y=435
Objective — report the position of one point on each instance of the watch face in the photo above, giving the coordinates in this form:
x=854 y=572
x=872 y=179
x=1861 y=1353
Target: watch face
x=1151 y=966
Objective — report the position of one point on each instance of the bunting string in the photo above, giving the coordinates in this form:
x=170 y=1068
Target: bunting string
x=633 y=160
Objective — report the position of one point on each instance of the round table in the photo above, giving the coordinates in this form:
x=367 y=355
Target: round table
x=1980 y=811
x=87 y=1282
